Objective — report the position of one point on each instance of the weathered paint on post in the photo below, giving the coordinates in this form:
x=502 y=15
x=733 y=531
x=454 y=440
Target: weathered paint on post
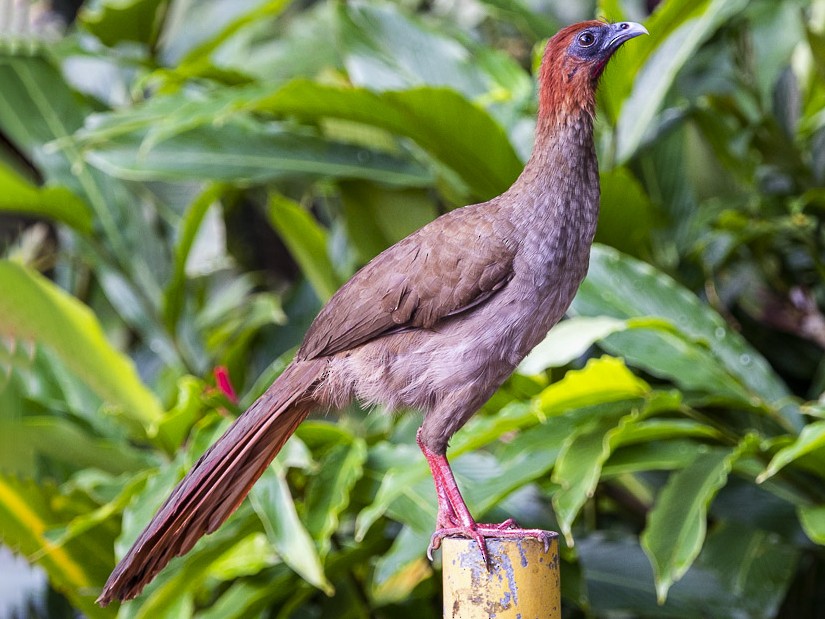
x=522 y=582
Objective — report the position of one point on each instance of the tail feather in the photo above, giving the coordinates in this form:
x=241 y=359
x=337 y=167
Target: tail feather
x=218 y=482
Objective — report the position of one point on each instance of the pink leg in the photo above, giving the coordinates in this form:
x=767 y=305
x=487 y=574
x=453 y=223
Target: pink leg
x=454 y=517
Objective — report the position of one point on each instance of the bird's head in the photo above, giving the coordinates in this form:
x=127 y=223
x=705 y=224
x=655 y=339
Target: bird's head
x=575 y=58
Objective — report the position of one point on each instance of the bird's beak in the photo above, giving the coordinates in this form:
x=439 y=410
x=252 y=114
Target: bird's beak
x=624 y=31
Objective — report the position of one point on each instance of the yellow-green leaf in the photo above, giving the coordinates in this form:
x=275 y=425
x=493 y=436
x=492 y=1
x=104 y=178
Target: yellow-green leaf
x=605 y=379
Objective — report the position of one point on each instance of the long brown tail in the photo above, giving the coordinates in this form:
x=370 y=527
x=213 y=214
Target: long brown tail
x=218 y=482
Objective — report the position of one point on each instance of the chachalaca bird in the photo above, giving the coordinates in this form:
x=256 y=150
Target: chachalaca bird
x=437 y=322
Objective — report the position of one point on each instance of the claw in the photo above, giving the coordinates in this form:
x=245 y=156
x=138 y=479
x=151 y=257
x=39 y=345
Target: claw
x=481 y=532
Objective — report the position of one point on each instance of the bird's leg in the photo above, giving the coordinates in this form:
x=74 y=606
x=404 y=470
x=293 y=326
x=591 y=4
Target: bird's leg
x=454 y=516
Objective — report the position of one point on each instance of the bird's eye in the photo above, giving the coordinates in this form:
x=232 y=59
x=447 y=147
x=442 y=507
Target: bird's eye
x=586 y=39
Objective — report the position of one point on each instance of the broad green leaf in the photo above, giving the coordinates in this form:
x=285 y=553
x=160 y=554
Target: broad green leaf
x=651 y=456
x=579 y=465
x=272 y=501
x=307 y=242
x=40 y=311
x=568 y=341
x=402 y=568
x=626 y=214
x=193 y=29
x=454 y=131
x=690 y=365
x=328 y=493
x=605 y=379
x=115 y=21
x=171 y=429
x=387 y=50
x=810 y=439
x=655 y=78
x=244 y=152
x=174 y=295
x=754 y=566
x=58 y=203
x=623 y=287
x=487 y=479
x=402 y=477
x=85 y=523
x=518 y=12
x=618 y=576
x=63 y=441
x=218 y=21
x=249 y=556
x=37 y=107
x=812 y=518
x=247 y=598
x=677 y=523
x=666 y=429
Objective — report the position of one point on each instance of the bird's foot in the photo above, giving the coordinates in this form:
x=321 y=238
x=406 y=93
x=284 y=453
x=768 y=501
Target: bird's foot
x=479 y=532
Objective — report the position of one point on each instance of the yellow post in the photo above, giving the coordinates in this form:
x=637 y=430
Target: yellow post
x=522 y=582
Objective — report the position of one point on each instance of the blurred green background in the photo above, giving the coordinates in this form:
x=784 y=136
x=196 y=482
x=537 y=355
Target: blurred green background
x=183 y=183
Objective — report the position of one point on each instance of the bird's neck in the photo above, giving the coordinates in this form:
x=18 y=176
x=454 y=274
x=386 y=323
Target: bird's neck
x=555 y=201
x=562 y=166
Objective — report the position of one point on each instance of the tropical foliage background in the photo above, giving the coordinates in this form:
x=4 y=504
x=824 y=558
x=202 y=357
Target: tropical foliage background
x=183 y=183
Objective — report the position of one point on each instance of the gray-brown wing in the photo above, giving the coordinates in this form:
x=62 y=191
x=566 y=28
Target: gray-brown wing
x=450 y=265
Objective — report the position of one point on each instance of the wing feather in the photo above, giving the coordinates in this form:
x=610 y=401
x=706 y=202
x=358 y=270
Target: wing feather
x=449 y=266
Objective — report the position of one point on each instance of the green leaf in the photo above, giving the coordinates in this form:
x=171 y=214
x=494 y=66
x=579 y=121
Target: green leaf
x=272 y=501
x=568 y=341
x=654 y=456
x=401 y=478
x=754 y=566
x=243 y=152
x=40 y=311
x=248 y=557
x=619 y=579
x=677 y=523
x=58 y=203
x=666 y=429
x=689 y=364
x=812 y=518
x=623 y=287
x=457 y=133
x=249 y=598
x=328 y=493
x=36 y=108
x=114 y=21
x=579 y=464
x=172 y=429
x=578 y=467
x=402 y=568
x=173 y=298
x=63 y=441
x=810 y=439
x=539 y=24
x=388 y=50
x=626 y=214
x=192 y=30
x=605 y=379
x=307 y=242
x=654 y=80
